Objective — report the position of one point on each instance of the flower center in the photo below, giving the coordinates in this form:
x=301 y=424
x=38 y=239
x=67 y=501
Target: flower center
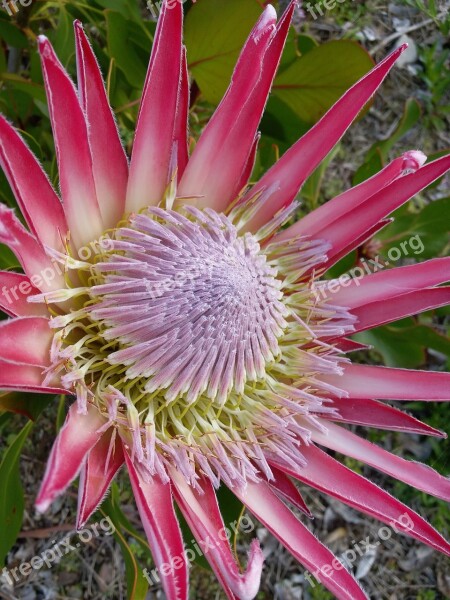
x=199 y=344
x=194 y=307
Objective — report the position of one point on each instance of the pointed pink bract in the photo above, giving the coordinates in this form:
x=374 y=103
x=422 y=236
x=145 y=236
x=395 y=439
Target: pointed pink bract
x=154 y=501
x=72 y=150
x=77 y=437
x=109 y=162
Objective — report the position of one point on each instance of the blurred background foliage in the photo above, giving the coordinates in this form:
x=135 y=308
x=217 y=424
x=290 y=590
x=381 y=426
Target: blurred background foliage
x=313 y=73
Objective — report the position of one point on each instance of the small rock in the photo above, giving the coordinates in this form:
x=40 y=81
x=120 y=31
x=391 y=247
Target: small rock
x=369 y=34
x=366 y=563
x=443 y=583
x=417 y=559
x=409 y=56
x=400 y=24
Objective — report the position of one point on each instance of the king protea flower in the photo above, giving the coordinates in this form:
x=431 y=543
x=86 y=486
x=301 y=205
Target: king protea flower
x=194 y=341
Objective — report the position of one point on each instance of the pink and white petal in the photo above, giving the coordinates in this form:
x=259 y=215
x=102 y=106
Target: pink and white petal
x=371 y=413
x=29 y=252
x=384 y=285
x=77 y=437
x=334 y=255
x=301 y=543
x=155 y=130
x=367 y=381
x=42 y=211
x=295 y=166
x=331 y=477
x=26 y=341
x=315 y=221
x=15 y=289
x=109 y=162
x=73 y=154
x=225 y=147
x=399 y=307
x=380 y=205
x=286 y=489
x=182 y=119
x=25 y=378
x=415 y=474
x=248 y=169
x=202 y=514
x=102 y=464
x=155 y=505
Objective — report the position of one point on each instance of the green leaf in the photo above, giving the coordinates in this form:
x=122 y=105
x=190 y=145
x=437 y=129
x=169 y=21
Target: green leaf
x=404 y=344
x=215 y=32
x=420 y=235
x=378 y=154
x=64 y=38
x=11 y=493
x=12 y=34
x=372 y=165
x=30 y=405
x=310 y=192
x=34 y=90
x=128 y=9
x=126 y=54
x=7 y=257
x=306 y=43
x=137 y=585
x=396 y=350
x=230 y=506
x=343 y=266
x=3 y=64
x=280 y=128
x=313 y=83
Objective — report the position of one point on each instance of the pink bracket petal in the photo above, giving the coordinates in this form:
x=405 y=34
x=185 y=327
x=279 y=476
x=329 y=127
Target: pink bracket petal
x=109 y=162
x=225 y=147
x=415 y=474
x=377 y=207
x=25 y=378
x=42 y=272
x=399 y=307
x=102 y=465
x=343 y=204
x=359 y=381
x=76 y=439
x=301 y=543
x=331 y=477
x=384 y=285
x=295 y=166
x=284 y=488
x=155 y=505
x=26 y=341
x=158 y=116
x=72 y=150
x=371 y=413
x=15 y=288
x=201 y=511
x=43 y=211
